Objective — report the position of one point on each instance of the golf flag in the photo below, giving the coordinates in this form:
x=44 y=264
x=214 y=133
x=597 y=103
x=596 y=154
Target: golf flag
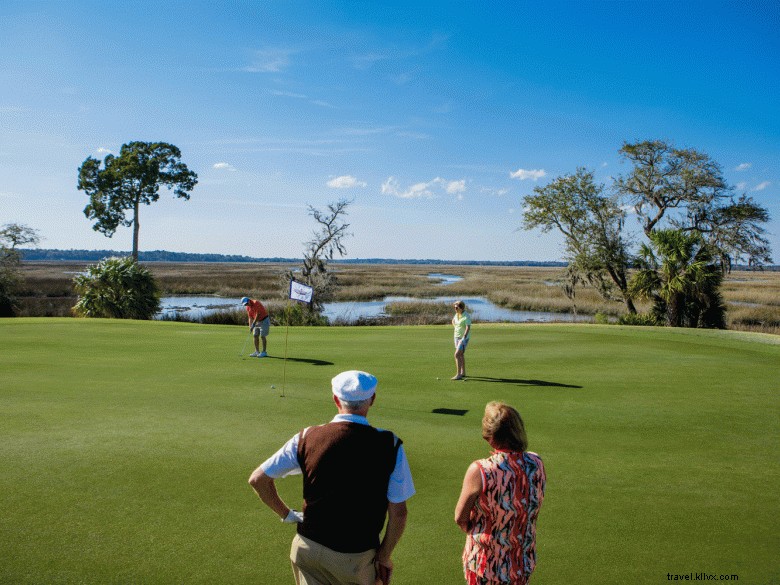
x=301 y=292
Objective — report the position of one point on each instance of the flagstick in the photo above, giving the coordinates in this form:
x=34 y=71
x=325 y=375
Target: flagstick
x=286 y=338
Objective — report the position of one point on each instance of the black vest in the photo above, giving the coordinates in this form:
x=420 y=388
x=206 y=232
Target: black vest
x=346 y=469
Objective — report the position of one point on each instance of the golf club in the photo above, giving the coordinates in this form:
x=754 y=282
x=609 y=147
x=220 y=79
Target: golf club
x=243 y=349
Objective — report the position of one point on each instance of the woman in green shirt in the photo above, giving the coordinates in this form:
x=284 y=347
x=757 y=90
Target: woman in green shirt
x=462 y=323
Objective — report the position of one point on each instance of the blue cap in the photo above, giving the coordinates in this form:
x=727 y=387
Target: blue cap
x=245 y=301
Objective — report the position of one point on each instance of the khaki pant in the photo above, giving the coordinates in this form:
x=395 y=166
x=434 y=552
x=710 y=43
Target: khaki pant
x=314 y=564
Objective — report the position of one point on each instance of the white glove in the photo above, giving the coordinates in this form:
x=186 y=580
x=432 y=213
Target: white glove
x=293 y=516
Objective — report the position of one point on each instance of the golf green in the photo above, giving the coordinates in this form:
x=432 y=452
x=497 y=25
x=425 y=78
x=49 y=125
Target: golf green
x=125 y=447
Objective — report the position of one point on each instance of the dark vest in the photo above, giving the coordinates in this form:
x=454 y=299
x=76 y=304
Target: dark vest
x=346 y=469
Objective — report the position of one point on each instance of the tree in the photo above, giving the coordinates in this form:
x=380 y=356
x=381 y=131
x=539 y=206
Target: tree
x=679 y=272
x=117 y=288
x=592 y=225
x=129 y=180
x=326 y=242
x=12 y=236
x=685 y=190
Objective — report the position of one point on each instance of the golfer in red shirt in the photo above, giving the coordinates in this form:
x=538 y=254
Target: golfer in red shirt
x=259 y=324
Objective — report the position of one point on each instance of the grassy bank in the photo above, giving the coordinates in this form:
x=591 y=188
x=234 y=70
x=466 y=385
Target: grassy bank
x=125 y=446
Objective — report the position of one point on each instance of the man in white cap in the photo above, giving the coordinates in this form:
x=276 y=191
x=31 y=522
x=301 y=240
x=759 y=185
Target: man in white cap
x=354 y=476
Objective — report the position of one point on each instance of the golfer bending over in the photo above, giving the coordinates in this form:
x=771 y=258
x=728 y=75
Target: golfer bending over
x=354 y=476
x=259 y=324
x=462 y=323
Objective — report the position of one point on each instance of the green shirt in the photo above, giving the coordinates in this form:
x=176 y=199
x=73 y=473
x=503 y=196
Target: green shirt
x=461 y=324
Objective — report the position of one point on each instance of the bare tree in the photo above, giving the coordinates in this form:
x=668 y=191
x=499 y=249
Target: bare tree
x=327 y=242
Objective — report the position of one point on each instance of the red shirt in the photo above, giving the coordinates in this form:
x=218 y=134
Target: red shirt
x=256 y=310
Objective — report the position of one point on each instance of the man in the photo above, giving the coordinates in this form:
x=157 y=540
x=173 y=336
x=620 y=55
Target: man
x=354 y=476
x=259 y=324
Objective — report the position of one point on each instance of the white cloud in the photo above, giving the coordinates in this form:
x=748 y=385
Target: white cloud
x=741 y=186
x=345 y=182
x=269 y=61
x=523 y=174
x=223 y=166
x=491 y=191
x=455 y=187
x=743 y=167
x=762 y=186
x=426 y=190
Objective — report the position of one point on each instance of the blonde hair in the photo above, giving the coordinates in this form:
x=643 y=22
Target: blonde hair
x=504 y=425
x=460 y=305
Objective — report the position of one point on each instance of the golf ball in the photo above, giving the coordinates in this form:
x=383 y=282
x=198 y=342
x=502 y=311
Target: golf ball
x=272 y=386
x=438 y=378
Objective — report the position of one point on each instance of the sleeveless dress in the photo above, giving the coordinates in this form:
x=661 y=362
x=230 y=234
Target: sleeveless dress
x=501 y=540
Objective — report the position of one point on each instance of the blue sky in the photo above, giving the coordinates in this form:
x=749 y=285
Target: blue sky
x=435 y=117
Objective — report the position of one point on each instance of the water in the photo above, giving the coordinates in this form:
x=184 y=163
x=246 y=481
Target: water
x=445 y=278
x=195 y=306
x=480 y=308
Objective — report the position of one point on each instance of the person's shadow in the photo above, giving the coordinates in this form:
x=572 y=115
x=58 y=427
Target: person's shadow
x=520 y=382
x=303 y=360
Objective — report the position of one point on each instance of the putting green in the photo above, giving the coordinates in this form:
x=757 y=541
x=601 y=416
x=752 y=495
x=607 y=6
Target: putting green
x=125 y=446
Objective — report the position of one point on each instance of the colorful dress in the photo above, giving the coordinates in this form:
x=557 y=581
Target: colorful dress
x=501 y=540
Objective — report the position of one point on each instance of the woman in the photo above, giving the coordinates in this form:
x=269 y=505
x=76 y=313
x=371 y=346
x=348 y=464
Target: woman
x=499 y=503
x=462 y=323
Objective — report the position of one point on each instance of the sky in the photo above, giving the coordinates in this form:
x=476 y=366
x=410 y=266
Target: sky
x=435 y=118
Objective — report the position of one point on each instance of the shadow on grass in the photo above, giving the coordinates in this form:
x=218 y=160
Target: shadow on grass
x=519 y=382
x=301 y=360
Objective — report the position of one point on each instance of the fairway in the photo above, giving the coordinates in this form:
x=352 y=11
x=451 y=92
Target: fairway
x=125 y=447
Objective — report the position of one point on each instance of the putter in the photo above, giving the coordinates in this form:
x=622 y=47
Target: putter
x=243 y=349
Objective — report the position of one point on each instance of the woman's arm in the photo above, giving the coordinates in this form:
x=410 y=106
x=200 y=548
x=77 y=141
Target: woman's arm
x=472 y=487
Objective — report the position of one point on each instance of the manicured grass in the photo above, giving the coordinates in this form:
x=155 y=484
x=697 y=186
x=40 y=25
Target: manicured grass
x=125 y=446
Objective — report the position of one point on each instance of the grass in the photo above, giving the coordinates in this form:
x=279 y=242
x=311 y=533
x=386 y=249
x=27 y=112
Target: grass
x=126 y=446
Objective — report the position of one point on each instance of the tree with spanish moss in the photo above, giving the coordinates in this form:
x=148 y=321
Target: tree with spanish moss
x=12 y=236
x=684 y=189
x=326 y=243
x=591 y=222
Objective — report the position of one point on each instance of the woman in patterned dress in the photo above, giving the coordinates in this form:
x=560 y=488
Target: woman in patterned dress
x=499 y=503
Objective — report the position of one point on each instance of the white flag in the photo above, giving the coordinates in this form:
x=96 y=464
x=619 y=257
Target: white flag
x=301 y=292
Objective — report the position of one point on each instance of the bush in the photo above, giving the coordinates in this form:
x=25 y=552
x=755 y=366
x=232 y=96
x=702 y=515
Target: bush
x=640 y=320
x=117 y=288
x=298 y=314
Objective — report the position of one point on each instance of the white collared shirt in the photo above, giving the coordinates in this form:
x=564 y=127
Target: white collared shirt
x=285 y=462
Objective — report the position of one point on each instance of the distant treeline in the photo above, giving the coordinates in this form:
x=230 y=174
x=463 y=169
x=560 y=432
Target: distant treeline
x=165 y=256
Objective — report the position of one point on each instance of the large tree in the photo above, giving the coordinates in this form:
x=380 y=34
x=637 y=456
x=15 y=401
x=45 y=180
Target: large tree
x=12 y=236
x=591 y=222
x=684 y=189
x=127 y=181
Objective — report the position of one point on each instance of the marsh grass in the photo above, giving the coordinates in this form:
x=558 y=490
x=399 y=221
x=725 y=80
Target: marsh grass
x=752 y=298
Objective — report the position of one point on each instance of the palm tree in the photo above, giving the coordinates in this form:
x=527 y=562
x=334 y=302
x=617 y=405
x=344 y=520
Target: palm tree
x=680 y=274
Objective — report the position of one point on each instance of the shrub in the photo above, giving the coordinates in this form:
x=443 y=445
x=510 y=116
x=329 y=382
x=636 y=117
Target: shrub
x=117 y=288
x=640 y=320
x=298 y=314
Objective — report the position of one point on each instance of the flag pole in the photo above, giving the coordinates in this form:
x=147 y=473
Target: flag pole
x=302 y=293
x=286 y=338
